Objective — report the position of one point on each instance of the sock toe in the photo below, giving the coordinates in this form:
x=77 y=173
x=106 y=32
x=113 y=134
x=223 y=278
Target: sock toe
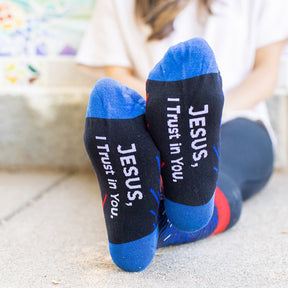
x=196 y=54
x=111 y=99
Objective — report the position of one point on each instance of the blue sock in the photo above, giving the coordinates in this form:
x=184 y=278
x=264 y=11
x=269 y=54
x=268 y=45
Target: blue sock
x=127 y=164
x=183 y=113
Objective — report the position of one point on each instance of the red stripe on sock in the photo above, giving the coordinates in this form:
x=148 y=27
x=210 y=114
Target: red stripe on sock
x=223 y=209
x=104 y=200
x=161 y=188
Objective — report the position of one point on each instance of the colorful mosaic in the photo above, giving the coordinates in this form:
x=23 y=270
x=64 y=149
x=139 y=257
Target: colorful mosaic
x=42 y=27
x=45 y=28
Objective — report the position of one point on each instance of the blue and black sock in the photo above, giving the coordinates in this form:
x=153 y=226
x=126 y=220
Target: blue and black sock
x=127 y=164
x=183 y=113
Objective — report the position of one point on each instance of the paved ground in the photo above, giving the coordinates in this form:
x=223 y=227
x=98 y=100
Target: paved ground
x=52 y=234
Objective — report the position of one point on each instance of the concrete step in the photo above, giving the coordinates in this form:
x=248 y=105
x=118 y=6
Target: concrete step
x=42 y=125
x=60 y=241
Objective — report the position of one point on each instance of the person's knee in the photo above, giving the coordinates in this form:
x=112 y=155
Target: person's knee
x=252 y=187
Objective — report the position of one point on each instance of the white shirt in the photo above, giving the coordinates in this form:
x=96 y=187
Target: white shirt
x=235 y=31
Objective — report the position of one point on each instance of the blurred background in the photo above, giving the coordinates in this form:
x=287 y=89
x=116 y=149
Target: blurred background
x=43 y=94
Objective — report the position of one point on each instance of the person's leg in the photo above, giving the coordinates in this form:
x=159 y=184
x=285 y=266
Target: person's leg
x=128 y=168
x=246 y=155
x=227 y=211
x=246 y=164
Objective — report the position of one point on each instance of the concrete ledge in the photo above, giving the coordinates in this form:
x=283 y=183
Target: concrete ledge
x=42 y=126
x=43 y=131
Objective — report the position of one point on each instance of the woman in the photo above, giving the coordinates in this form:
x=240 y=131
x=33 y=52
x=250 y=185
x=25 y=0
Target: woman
x=247 y=37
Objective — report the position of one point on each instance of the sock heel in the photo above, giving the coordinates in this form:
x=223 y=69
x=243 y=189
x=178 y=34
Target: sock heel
x=131 y=256
x=189 y=218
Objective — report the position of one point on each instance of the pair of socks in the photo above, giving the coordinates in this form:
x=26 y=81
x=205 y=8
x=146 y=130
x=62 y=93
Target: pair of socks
x=183 y=116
